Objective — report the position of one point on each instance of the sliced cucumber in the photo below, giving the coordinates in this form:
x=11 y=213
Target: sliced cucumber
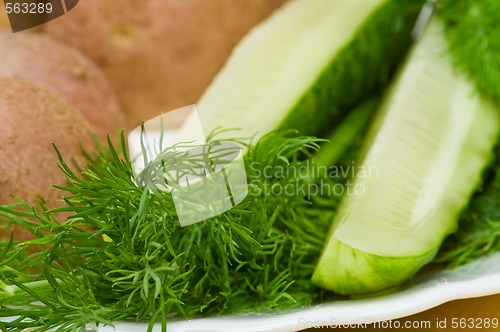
x=307 y=65
x=430 y=142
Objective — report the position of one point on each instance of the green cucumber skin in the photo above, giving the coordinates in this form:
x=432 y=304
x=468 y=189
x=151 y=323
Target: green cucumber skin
x=363 y=67
x=366 y=273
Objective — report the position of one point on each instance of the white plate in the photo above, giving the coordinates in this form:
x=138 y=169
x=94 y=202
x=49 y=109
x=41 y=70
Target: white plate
x=427 y=290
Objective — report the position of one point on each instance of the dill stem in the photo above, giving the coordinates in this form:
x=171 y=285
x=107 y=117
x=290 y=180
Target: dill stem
x=12 y=291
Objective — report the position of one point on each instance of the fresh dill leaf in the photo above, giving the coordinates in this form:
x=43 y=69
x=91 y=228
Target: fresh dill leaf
x=123 y=254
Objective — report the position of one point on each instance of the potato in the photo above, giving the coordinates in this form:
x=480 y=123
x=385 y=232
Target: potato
x=159 y=54
x=31 y=119
x=65 y=71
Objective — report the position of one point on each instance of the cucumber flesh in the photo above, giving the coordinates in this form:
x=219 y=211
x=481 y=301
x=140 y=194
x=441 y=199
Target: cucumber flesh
x=429 y=144
x=306 y=66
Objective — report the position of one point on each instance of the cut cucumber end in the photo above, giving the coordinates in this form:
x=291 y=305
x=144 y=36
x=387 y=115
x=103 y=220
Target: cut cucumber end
x=348 y=271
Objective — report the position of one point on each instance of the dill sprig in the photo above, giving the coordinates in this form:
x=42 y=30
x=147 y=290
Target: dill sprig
x=122 y=253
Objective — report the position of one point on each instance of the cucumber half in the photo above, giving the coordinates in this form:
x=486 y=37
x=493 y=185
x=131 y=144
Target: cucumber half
x=431 y=140
x=306 y=66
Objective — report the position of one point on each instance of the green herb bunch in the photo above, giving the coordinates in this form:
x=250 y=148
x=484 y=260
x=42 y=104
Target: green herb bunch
x=122 y=253
x=472 y=32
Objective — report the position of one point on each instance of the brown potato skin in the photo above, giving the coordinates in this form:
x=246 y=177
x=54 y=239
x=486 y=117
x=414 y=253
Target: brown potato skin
x=64 y=71
x=32 y=119
x=159 y=54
